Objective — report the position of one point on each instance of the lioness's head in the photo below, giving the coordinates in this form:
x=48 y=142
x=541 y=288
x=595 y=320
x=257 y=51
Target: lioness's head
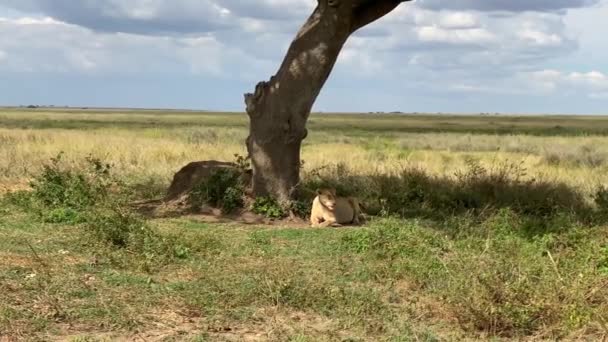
x=327 y=197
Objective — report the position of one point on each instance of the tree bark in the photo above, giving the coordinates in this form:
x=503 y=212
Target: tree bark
x=279 y=108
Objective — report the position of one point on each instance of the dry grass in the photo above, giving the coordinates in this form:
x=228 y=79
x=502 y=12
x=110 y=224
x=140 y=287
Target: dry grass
x=153 y=145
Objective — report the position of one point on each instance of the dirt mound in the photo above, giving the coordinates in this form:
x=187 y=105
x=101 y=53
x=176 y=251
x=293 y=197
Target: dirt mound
x=196 y=172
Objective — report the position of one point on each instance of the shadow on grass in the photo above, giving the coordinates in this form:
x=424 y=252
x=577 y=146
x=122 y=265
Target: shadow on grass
x=476 y=192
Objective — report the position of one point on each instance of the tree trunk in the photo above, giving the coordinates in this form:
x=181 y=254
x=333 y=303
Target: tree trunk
x=278 y=109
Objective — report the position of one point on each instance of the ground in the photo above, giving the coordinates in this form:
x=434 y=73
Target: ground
x=484 y=227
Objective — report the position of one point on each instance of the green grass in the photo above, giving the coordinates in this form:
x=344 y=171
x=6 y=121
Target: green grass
x=394 y=278
x=466 y=276
x=469 y=242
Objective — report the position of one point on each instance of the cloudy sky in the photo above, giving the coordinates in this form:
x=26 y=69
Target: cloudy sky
x=517 y=56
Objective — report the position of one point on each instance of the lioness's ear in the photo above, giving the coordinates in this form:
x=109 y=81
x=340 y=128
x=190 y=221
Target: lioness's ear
x=318 y=191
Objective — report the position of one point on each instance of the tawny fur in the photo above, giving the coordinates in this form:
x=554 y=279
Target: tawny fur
x=331 y=210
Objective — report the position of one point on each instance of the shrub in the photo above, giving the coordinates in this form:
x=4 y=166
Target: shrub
x=62 y=195
x=119 y=228
x=232 y=199
x=93 y=199
x=301 y=208
x=221 y=190
x=59 y=187
x=268 y=207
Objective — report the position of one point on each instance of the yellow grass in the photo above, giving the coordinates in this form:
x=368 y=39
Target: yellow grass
x=154 y=145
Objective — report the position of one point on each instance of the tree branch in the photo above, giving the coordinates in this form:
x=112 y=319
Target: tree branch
x=368 y=11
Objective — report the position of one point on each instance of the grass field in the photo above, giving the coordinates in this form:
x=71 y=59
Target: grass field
x=484 y=227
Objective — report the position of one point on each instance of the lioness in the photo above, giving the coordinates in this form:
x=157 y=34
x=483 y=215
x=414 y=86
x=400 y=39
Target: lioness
x=330 y=210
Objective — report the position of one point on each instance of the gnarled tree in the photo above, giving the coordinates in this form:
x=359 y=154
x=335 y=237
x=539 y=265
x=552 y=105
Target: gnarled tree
x=279 y=108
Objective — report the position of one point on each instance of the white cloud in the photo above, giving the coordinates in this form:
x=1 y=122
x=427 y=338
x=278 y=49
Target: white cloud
x=506 y=5
x=46 y=45
x=540 y=38
x=539 y=83
x=464 y=46
x=447 y=42
x=478 y=47
x=36 y=21
x=458 y=20
x=356 y=56
x=465 y=36
x=592 y=79
x=593 y=84
x=163 y=17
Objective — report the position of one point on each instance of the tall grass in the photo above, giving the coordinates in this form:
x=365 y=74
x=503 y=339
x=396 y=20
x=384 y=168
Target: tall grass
x=477 y=236
x=159 y=153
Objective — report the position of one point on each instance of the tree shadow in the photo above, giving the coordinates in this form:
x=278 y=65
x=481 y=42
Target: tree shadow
x=462 y=200
x=179 y=208
x=476 y=193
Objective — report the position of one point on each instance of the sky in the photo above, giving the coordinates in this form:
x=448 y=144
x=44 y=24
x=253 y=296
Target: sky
x=450 y=56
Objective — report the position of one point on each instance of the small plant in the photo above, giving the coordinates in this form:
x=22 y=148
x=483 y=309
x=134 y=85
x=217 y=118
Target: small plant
x=268 y=207
x=64 y=215
x=232 y=200
x=116 y=227
x=301 y=208
x=221 y=190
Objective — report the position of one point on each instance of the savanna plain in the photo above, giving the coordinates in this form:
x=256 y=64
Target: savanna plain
x=480 y=227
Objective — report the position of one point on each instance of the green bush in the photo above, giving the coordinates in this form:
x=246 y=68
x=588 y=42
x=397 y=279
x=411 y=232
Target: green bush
x=301 y=208
x=232 y=199
x=59 y=187
x=221 y=190
x=95 y=201
x=268 y=207
x=63 y=195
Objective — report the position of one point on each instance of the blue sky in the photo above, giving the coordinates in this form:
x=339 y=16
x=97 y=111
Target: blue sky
x=515 y=56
